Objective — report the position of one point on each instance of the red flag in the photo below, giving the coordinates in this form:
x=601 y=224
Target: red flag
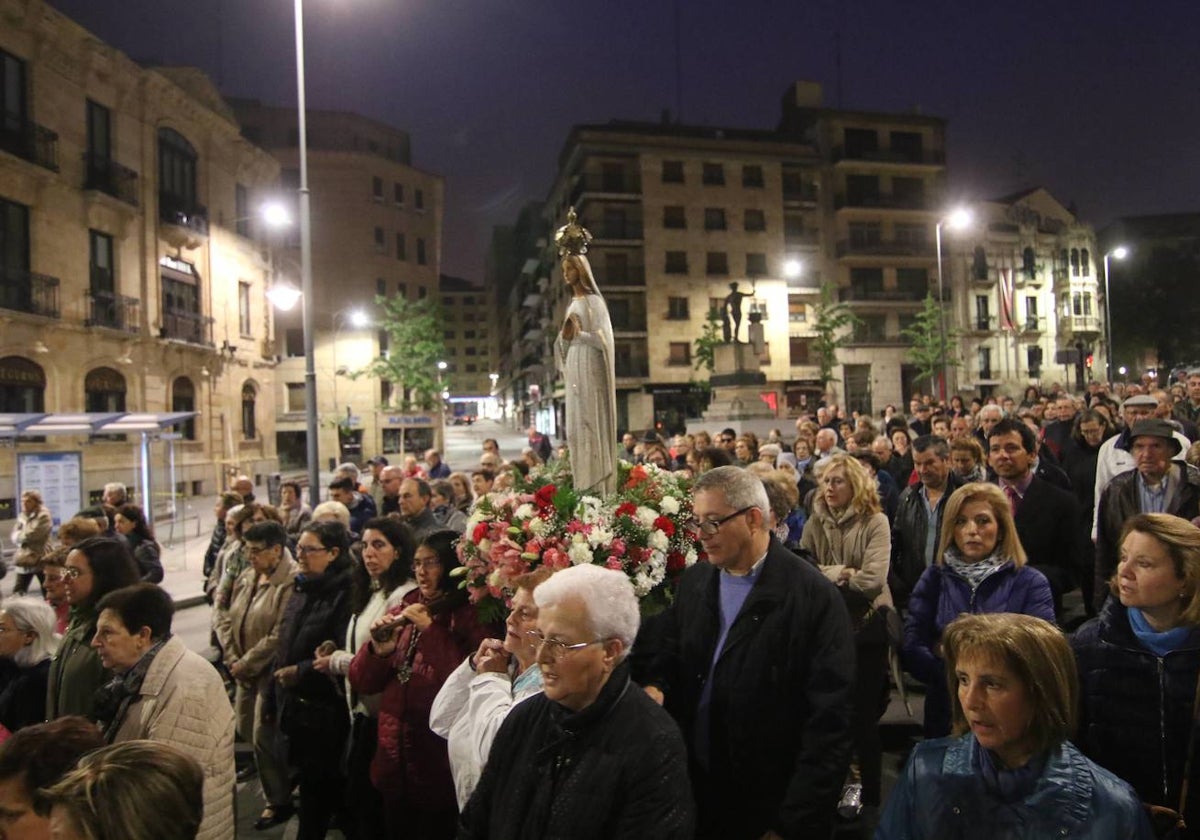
x=1008 y=318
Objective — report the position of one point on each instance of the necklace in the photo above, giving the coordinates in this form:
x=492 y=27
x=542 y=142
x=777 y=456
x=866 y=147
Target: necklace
x=404 y=672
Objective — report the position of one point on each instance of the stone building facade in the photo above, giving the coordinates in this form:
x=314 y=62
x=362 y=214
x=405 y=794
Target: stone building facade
x=471 y=332
x=132 y=271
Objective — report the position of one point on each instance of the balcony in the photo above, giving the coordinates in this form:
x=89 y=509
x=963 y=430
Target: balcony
x=632 y=322
x=192 y=217
x=869 y=335
x=628 y=275
x=982 y=324
x=617 y=230
x=926 y=157
x=25 y=291
x=885 y=248
x=883 y=201
x=632 y=368
x=802 y=239
x=1033 y=324
x=1079 y=324
x=854 y=294
x=111 y=178
x=113 y=311
x=187 y=326
x=32 y=142
x=625 y=183
x=797 y=192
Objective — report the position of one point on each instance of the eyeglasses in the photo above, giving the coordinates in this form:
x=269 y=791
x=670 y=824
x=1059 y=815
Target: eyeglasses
x=71 y=572
x=709 y=527
x=555 y=649
x=305 y=550
x=255 y=550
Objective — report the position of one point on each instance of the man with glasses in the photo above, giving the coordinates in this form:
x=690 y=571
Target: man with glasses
x=755 y=660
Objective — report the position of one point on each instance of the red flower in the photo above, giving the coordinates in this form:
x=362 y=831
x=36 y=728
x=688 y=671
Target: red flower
x=665 y=525
x=676 y=562
x=544 y=497
x=626 y=509
x=636 y=476
x=480 y=532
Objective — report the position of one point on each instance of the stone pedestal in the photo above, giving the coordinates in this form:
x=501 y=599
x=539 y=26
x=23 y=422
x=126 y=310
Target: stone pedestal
x=737 y=384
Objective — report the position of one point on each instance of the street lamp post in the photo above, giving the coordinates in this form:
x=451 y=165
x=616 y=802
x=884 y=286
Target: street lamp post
x=357 y=319
x=1120 y=253
x=957 y=220
x=306 y=279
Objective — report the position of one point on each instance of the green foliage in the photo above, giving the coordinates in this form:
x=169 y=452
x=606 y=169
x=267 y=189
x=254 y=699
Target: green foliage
x=927 y=344
x=414 y=330
x=833 y=325
x=706 y=344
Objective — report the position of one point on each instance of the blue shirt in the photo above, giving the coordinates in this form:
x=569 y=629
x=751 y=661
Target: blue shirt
x=1153 y=499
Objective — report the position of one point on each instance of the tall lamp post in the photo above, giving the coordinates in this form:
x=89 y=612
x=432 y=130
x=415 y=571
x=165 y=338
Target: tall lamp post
x=1120 y=252
x=957 y=220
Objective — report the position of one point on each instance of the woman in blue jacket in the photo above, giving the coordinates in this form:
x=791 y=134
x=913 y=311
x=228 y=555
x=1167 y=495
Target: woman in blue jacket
x=1139 y=661
x=980 y=568
x=1009 y=773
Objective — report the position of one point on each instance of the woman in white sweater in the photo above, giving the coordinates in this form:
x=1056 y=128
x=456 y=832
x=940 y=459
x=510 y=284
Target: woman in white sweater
x=382 y=578
x=478 y=696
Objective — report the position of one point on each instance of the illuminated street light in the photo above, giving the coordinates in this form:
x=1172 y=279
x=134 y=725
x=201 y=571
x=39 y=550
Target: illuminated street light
x=792 y=269
x=359 y=319
x=284 y=296
x=276 y=215
x=442 y=365
x=957 y=219
x=1120 y=253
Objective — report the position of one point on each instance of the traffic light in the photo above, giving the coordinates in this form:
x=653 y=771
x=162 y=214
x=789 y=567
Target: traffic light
x=1090 y=358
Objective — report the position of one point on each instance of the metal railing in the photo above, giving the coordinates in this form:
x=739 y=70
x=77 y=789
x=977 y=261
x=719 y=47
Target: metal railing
x=923 y=156
x=172 y=210
x=35 y=143
x=113 y=311
x=187 y=326
x=27 y=291
x=886 y=247
x=884 y=200
x=111 y=178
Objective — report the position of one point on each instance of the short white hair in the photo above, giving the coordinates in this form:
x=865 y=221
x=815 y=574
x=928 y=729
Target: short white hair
x=612 y=606
x=349 y=470
x=885 y=440
x=991 y=407
x=116 y=487
x=332 y=510
x=741 y=489
x=32 y=615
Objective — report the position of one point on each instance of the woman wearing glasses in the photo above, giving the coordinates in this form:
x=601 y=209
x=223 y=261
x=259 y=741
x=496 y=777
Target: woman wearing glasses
x=482 y=690
x=593 y=756
x=94 y=568
x=851 y=540
x=412 y=652
x=306 y=703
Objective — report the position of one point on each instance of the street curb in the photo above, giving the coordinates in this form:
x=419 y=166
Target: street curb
x=190 y=601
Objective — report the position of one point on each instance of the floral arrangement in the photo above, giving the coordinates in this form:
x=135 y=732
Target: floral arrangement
x=544 y=521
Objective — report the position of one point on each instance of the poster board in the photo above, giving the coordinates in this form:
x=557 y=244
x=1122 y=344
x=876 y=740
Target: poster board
x=58 y=476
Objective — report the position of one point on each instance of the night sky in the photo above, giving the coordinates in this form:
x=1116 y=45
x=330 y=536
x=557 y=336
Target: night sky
x=1095 y=99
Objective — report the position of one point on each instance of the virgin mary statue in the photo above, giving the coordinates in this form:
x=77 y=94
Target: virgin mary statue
x=584 y=350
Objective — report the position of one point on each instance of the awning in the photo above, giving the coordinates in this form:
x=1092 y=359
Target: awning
x=92 y=423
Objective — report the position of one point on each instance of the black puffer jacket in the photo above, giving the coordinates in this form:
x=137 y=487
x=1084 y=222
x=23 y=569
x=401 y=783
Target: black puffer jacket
x=909 y=530
x=1136 y=709
x=617 y=769
x=312 y=713
x=781 y=702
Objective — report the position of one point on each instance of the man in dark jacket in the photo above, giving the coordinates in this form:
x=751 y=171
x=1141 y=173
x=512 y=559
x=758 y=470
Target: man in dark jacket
x=755 y=660
x=591 y=756
x=416 y=499
x=1156 y=484
x=360 y=505
x=918 y=522
x=1044 y=514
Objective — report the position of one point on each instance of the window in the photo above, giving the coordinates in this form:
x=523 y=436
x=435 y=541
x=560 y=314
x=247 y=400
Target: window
x=865 y=282
x=984 y=358
x=22 y=385
x=1087 y=304
x=716 y=262
x=380 y=286
x=469 y=334
x=471 y=368
x=183 y=398
x=674 y=218
x=672 y=172
x=714 y=218
x=421 y=256
x=907 y=145
x=402 y=290
x=752 y=176
x=983 y=318
x=398 y=194
x=677 y=309
x=755 y=221
x=244 y=328
x=176 y=175
x=379 y=246
x=249 y=398
x=448 y=335
x=914 y=282
x=865 y=234
x=294 y=398
x=99 y=144
x=1077 y=303
x=862 y=190
x=1074 y=262
x=419 y=199
x=756 y=265
x=401 y=247
x=422 y=292
x=104 y=390
x=714 y=175
x=1029 y=263
x=377 y=189
x=979 y=263
x=472 y=351
x=241 y=210
x=679 y=353
x=381 y=337
x=1033 y=357
x=1031 y=313
x=101 y=263
x=860 y=142
x=797 y=310
x=913 y=235
x=293 y=342
x=908 y=192
x=799 y=350
x=677 y=262
x=1085 y=262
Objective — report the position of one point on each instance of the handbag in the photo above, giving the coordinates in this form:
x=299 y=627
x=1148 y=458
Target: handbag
x=1168 y=824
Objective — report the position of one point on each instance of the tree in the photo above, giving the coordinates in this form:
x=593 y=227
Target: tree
x=928 y=350
x=833 y=325
x=706 y=344
x=415 y=346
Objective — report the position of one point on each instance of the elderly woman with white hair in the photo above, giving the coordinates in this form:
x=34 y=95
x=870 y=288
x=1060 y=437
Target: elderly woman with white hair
x=593 y=756
x=27 y=643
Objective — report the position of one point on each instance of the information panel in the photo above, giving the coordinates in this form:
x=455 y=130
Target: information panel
x=58 y=476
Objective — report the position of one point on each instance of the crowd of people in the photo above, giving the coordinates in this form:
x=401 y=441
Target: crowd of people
x=938 y=551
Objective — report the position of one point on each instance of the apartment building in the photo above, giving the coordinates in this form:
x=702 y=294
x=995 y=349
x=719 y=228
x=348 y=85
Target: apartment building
x=132 y=271
x=376 y=230
x=470 y=335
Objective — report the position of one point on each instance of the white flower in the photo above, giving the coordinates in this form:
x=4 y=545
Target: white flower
x=538 y=526
x=588 y=510
x=599 y=537
x=691 y=557
x=659 y=541
x=579 y=552
x=646 y=516
x=670 y=505
x=485 y=546
x=525 y=511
